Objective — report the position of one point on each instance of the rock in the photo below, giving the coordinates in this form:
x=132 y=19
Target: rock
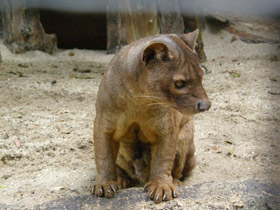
x=255 y=195
x=59 y=188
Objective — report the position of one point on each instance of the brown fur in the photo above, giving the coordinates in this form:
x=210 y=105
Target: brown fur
x=143 y=128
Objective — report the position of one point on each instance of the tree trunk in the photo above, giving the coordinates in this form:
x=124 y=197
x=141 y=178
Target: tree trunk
x=1 y=23
x=170 y=19
x=22 y=28
x=193 y=21
x=200 y=46
x=129 y=20
x=113 y=40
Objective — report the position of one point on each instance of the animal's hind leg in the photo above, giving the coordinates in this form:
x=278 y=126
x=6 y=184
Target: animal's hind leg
x=184 y=160
x=178 y=169
x=125 y=167
x=123 y=178
x=190 y=161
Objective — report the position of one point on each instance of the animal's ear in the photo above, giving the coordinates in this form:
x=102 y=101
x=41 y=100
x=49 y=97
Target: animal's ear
x=155 y=52
x=190 y=39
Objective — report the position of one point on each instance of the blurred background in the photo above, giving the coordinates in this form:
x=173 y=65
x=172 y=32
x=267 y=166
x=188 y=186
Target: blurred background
x=108 y=25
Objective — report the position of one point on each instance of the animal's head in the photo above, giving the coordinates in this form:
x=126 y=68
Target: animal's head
x=173 y=74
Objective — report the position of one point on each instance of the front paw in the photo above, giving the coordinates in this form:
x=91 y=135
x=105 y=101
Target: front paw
x=161 y=191
x=108 y=189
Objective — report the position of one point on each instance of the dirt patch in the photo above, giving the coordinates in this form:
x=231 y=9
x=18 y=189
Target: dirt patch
x=47 y=111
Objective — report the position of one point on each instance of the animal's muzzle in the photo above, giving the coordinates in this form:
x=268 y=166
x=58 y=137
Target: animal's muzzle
x=203 y=106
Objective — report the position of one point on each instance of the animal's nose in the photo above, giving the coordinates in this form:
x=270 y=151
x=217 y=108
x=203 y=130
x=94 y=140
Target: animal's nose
x=203 y=106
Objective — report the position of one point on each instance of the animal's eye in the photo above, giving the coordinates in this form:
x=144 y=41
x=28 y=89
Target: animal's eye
x=179 y=84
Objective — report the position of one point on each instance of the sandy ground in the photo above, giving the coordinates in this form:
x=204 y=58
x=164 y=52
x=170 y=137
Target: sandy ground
x=47 y=111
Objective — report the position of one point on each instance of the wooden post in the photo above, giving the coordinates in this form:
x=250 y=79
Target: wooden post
x=129 y=20
x=194 y=20
x=170 y=19
x=22 y=28
x=200 y=45
x=113 y=40
x=1 y=24
x=192 y=23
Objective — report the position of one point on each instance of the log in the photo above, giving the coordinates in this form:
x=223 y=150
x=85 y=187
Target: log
x=23 y=30
x=231 y=22
x=250 y=38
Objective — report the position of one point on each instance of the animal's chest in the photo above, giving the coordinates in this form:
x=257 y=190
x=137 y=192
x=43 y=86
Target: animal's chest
x=130 y=130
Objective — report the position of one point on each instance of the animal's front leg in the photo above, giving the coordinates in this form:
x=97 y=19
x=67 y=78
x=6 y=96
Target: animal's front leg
x=160 y=186
x=105 y=155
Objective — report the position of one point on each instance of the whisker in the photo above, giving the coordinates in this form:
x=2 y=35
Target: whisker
x=147 y=96
x=158 y=103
